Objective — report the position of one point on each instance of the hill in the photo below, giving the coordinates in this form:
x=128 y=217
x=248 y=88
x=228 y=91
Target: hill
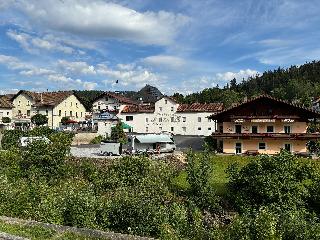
x=299 y=84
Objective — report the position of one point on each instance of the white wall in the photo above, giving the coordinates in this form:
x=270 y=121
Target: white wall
x=166 y=118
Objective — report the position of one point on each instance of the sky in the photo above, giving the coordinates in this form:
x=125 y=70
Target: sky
x=176 y=45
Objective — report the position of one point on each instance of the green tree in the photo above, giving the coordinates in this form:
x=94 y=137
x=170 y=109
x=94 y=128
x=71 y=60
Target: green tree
x=117 y=133
x=39 y=119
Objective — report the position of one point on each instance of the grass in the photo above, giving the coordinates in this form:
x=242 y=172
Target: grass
x=220 y=178
x=39 y=233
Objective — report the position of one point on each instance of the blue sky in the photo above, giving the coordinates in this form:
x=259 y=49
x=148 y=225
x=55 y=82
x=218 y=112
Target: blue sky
x=176 y=45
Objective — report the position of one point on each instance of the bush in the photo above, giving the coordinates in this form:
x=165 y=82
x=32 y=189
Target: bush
x=39 y=119
x=97 y=140
x=6 y=120
x=200 y=170
x=281 y=181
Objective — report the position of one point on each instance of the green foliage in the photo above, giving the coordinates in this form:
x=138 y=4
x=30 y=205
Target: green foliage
x=117 y=133
x=281 y=182
x=39 y=119
x=97 y=140
x=200 y=171
x=210 y=144
x=6 y=120
x=11 y=138
x=64 y=120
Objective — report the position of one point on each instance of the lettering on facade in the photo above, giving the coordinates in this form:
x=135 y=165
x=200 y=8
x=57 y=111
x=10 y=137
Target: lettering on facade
x=262 y=120
x=288 y=120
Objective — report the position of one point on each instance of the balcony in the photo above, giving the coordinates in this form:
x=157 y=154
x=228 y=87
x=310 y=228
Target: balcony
x=284 y=136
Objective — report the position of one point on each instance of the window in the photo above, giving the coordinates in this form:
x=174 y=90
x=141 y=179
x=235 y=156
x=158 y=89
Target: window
x=209 y=129
x=160 y=109
x=269 y=129
x=65 y=113
x=65 y=104
x=81 y=114
x=8 y=113
x=70 y=113
x=254 y=129
x=238 y=128
x=147 y=129
x=209 y=120
x=172 y=109
x=47 y=112
x=172 y=129
x=71 y=104
x=220 y=129
x=59 y=112
x=166 y=101
x=160 y=128
x=262 y=146
x=129 y=118
x=287 y=129
x=184 y=119
x=28 y=112
x=172 y=119
x=19 y=103
x=287 y=147
x=147 y=119
x=76 y=114
x=160 y=119
x=28 y=104
x=184 y=129
x=199 y=128
x=99 y=107
x=76 y=104
x=19 y=112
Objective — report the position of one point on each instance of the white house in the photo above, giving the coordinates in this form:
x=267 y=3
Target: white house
x=166 y=115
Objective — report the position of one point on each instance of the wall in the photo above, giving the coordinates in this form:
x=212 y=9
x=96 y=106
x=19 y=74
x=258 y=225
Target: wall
x=296 y=127
x=83 y=138
x=272 y=146
x=166 y=117
x=23 y=103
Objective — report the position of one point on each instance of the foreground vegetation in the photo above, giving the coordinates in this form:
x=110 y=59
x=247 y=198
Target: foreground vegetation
x=212 y=197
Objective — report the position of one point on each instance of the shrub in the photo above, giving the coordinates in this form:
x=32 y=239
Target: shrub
x=200 y=170
x=96 y=140
x=280 y=181
x=39 y=119
x=11 y=138
x=6 y=120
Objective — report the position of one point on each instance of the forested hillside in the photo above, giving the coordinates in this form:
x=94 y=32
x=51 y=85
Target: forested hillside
x=296 y=83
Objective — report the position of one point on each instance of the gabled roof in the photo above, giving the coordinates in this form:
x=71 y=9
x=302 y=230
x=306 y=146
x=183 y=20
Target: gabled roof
x=306 y=112
x=119 y=97
x=46 y=98
x=200 y=107
x=5 y=103
x=141 y=108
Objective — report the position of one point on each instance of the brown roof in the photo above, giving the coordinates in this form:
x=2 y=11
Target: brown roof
x=5 y=103
x=138 y=109
x=200 y=107
x=46 y=98
x=119 y=97
x=304 y=111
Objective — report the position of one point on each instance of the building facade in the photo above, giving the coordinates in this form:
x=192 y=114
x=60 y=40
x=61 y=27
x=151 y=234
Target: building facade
x=264 y=125
x=55 y=105
x=166 y=115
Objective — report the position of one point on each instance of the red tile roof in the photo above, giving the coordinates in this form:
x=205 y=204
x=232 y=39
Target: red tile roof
x=200 y=107
x=138 y=109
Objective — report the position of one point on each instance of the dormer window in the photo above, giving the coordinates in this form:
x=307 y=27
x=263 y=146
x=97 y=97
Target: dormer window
x=166 y=101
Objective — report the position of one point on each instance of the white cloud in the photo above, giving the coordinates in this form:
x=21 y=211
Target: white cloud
x=97 y=18
x=32 y=44
x=165 y=61
x=228 y=76
x=136 y=76
x=76 y=67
